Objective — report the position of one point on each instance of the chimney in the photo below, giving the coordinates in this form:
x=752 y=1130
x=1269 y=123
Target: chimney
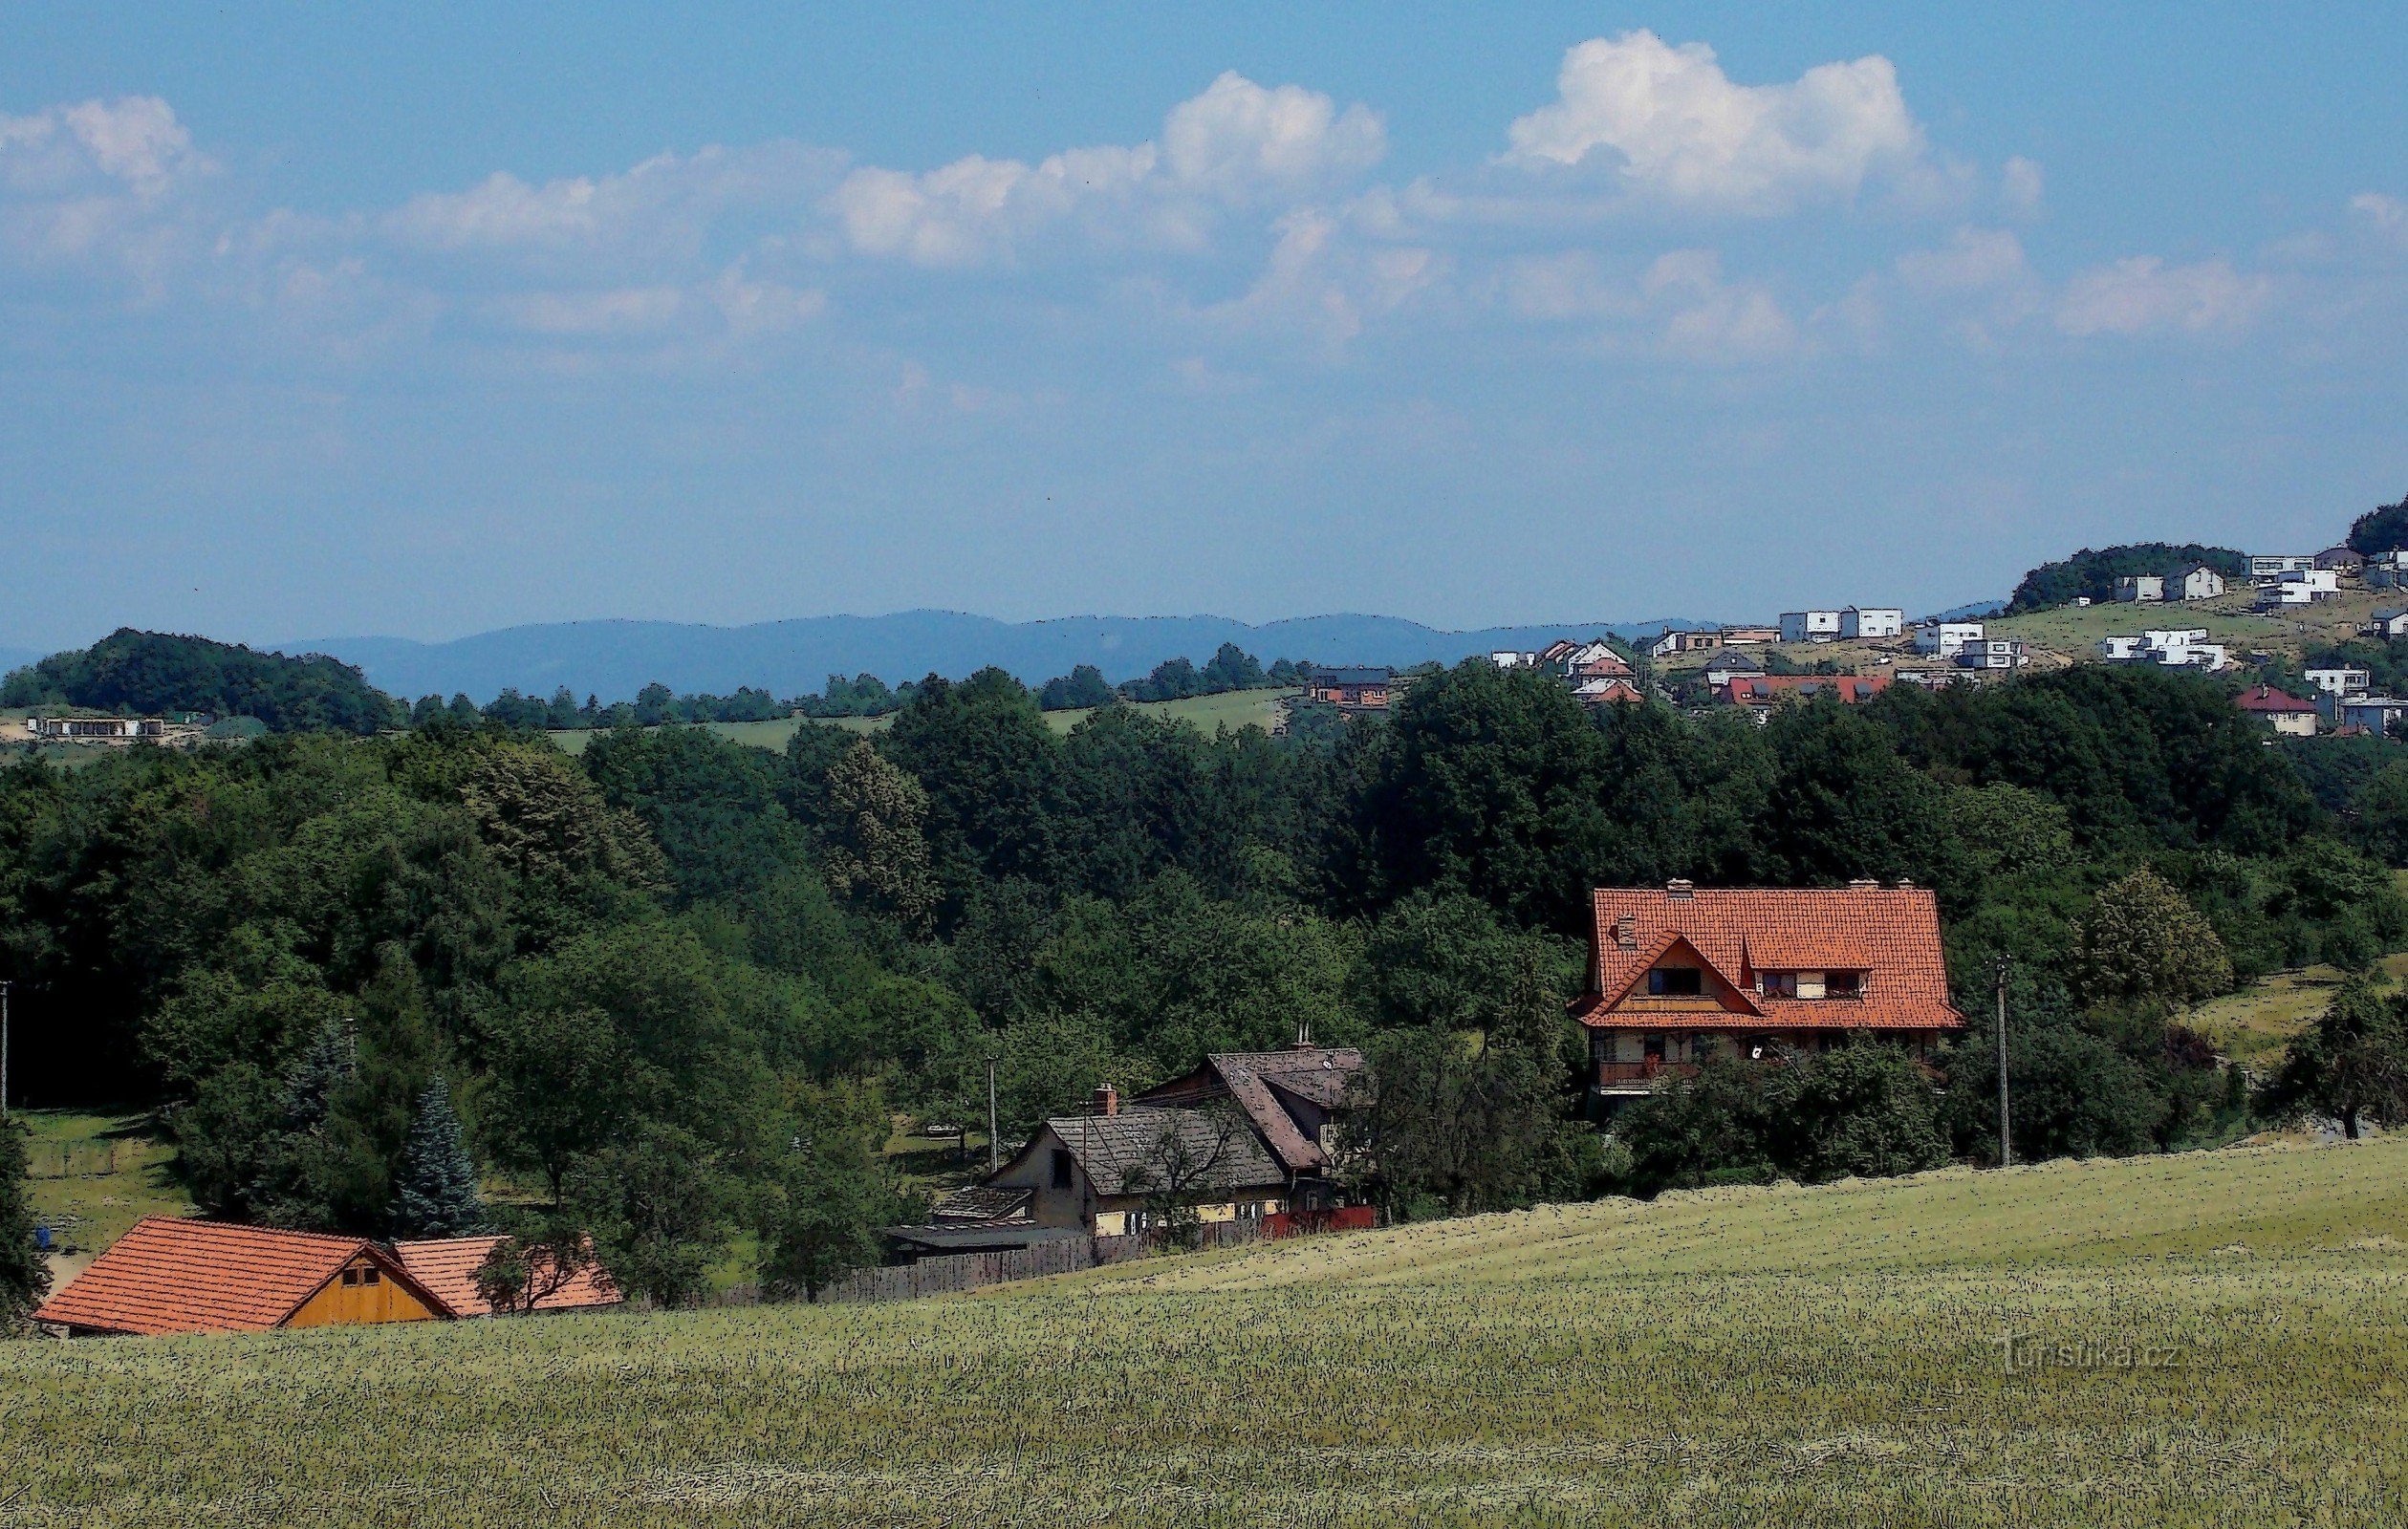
x=1679 y=889
x=1107 y=1100
x=1904 y=885
x=1864 y=883
x=1626 y=932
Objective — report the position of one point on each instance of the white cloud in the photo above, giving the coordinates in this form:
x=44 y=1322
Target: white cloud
x=1675 y=129
x=666 y=204
x=2021 y=186
x=1976 y=259
x=1234 y=145
x=2142 y=294
x=1709 y=320
x=2386 y=215
x=134 y=142
x=631 y=310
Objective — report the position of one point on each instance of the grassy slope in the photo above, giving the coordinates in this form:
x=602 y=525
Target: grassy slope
x=1803 y=1356
x=1242 y=708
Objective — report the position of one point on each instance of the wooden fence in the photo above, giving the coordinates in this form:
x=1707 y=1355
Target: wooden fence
x=954 y=1272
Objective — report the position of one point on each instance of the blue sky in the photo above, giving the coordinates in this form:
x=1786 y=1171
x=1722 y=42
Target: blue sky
x=315 y=322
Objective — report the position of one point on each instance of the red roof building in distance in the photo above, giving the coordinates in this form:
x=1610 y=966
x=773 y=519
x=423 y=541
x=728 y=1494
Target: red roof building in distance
x=171 y=1274
x=1762 y=691
x=447 y=1267
x=2285 y=714
x=1678 y=974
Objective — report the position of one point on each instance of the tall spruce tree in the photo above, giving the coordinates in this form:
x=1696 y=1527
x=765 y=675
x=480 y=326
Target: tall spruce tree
x=24 y=1276
x=437 y=1195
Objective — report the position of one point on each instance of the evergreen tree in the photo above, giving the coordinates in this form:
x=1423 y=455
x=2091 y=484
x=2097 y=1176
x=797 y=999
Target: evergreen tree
x=24 y=1278
x=438 y=1192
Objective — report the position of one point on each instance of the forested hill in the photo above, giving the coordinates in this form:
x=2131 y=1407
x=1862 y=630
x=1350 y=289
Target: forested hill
x=617 y=658
x=153 y=672
x=2092 y=573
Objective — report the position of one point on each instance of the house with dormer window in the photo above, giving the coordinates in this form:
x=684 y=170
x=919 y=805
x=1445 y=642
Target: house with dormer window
x=1680 y=973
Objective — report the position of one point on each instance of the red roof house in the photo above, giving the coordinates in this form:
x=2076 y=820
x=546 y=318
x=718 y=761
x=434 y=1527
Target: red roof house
x=174 y=1275
x=2284 y=713
x=1678 y=973
x=447 y=1266
x=1761 y=691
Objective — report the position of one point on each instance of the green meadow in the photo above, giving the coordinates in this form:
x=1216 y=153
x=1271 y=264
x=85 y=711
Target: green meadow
x=1234 y=709
x=2217 y=1338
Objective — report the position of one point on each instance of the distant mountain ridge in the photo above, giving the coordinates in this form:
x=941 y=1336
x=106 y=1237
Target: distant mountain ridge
x=613 y=659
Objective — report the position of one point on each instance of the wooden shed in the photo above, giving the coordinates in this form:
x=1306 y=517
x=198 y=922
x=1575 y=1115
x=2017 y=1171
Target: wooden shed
x=171 y=1274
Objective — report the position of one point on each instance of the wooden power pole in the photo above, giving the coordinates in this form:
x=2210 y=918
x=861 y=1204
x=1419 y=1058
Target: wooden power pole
x=2006 y=1147
x=992 y=1162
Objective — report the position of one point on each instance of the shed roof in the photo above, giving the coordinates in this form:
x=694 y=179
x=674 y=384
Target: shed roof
x=172 y=1274
x=447 y=1266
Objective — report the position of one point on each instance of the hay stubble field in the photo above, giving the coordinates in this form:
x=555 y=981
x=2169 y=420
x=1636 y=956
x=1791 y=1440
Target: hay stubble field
x=2213 y=1339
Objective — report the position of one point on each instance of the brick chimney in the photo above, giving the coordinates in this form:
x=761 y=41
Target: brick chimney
x=1680 y=888
x=1107 y=1100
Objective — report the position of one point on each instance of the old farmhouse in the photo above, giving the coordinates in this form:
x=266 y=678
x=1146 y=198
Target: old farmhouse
x=1678 y=974
x=1244 y=1137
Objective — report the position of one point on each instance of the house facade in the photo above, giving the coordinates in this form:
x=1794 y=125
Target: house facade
x=1351 y=690
x=1749 y=636
x=2379 y=715
x=1871 y=621
x=2342 y=559
x=2285 y=714
x=2266 y=567
x=2196 y=581
x=1679 y=974
x=2387 y=623
x=2339 y=680
x=1992 y=652
x=1246 y=1136
x=1810 y=626
x=1672 y=642
x=1945 y=640
x=2139 y=588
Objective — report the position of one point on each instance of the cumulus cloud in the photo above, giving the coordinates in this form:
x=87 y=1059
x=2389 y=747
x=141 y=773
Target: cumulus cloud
x=134 y=142
x=2143 y=294
x=668 y=204
x=1673 y=127
x=1235 y=146
x=2386 y=215
x=1320 y=285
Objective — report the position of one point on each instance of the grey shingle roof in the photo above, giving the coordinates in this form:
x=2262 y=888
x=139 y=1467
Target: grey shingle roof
x=1138 y=1151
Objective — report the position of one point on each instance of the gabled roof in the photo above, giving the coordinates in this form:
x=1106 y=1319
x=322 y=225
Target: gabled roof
x=170 y=1274
x=447 y=1267
x=1747 y=690
x=1318 y=1075
x=1131 y=1153
x=2268 y=698
x=1890 y=934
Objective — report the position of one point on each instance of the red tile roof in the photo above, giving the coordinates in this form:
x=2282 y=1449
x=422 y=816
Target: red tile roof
x=448 y=1267
x=1890 y=934
x=2265 y=698
x=1758 y=690
x=174 y=1275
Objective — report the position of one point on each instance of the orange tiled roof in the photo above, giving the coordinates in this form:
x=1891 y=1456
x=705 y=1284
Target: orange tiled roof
x=174 y=1275
x=1890 y=934
x=1756 y=690
x=447 y=1266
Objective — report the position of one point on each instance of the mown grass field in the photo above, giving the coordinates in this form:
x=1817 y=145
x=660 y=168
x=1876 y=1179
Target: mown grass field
x=1239 y=708
x=96 y=1174
x=1803 y=1357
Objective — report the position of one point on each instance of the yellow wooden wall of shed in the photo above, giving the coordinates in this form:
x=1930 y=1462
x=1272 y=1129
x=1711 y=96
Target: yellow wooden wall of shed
x=340 y=1304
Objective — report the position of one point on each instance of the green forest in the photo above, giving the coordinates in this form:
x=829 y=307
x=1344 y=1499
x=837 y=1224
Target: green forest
x=674 y=991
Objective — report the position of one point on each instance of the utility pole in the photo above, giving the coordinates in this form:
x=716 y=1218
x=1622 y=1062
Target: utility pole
x=2006 y=1148
x=4 y=1048
x=992 y=1162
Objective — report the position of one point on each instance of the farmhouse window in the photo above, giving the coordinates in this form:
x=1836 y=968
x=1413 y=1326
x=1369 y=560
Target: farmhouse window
x=1061 y=1167
x=350 y=1276
x=1674 y=981
x=1779 y=985
x=369 y=1276
x=1843 y=984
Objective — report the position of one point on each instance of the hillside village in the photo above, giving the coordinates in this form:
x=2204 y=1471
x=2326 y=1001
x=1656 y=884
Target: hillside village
x=1837 y=960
